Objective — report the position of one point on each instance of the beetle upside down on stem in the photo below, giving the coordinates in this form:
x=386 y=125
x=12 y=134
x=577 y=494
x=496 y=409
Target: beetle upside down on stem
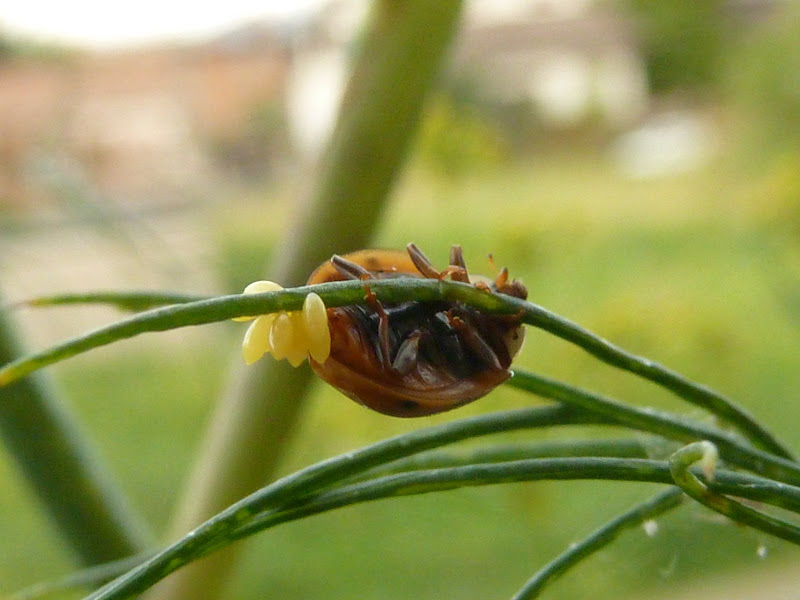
x=408 y=359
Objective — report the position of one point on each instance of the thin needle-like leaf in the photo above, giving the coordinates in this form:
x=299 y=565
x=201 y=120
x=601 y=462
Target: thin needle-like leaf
x=100 y=574
x=329 y=472
x=398 y=290
x=124 y=300
x=83 y=579
x=662 y=423
x=599 y=539
x=248 y=517
x=437 y=459
x=705 y=494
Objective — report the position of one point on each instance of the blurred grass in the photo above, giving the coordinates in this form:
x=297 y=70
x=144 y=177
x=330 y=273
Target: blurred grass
x=675 y=269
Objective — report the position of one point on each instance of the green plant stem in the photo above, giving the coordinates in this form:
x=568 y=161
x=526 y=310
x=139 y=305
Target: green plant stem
x=426 y=460
x=744 y=485
x=599 y=539
x=46 y=443
x=733 y=449
x=437 y=459
x=389 y=291
x=697 y=394
x=401 y=49
x=83 y=579
x=216 y=533
x=329 y=472
x=224 y=308
x=133 y=300
x=679 y=468
x=289 y=499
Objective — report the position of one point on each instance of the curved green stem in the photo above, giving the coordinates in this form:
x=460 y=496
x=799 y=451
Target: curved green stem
x=341 y=467
x=599 y=539
x=224 y=308
x=251 y=515
x=85 y=578
x=556 y=469
x=399 y=290
x=432 y=459
x=324 y=474
x=132 y=300
x=690 y=391
x=437 y=459
x=670 y=426
x=679 y=465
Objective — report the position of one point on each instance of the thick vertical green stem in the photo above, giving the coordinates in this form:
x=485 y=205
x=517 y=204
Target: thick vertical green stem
x=401 y=51
x=44 y=440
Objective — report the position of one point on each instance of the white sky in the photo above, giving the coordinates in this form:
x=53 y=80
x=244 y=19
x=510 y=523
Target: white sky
x=112 y=24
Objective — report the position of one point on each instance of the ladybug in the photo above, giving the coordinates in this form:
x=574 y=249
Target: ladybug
x=412 y=359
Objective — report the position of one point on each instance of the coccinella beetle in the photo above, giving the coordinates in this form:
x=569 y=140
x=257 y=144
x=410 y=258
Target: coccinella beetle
x=416 y=358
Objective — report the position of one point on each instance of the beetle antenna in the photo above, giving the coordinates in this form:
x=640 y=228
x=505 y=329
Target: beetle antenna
x=491 y=263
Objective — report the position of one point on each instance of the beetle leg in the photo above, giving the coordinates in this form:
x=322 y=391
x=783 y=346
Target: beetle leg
x=456 y=274
x=446 y=349
x=512 y=319
x=475 y=342
x=407 y=354
x=348 y=269
x=457 y=263
x=422 y=263
x=494 y=332
x=383 y=326
x=424 y=266
x=514 y=288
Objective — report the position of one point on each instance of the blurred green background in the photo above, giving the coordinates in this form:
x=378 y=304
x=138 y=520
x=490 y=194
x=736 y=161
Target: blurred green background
x=693 y=261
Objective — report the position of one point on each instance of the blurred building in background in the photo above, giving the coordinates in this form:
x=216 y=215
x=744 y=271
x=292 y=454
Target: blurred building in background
x=145 y=123
x=136 y=121
x=568 y=61
x=571 y=60
x=151 y=124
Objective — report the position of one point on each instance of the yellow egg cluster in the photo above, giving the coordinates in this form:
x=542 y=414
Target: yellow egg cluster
x=290 y=335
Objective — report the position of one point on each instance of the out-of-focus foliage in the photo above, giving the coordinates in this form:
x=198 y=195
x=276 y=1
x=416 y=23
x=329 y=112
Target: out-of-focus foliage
x=764 y=78
x=240 y=256
x=779 y=193
x=683 y=42
x=763 y=86
x=459 y=137
x=12 y=48
x=463 y=135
